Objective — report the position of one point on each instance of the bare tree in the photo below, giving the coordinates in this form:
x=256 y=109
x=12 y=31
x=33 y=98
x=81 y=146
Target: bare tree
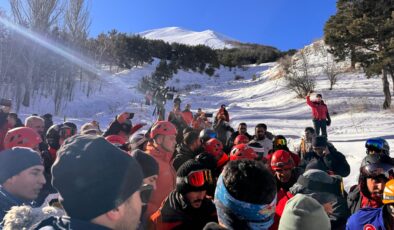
x=297 y=75
x=330 y=67
x=77 y=20
x=77 y=23
x=332 y=72
x=39 y=16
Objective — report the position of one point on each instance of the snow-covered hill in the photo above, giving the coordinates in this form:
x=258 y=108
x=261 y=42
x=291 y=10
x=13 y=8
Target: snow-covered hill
x=259 y=97
x=179 y=35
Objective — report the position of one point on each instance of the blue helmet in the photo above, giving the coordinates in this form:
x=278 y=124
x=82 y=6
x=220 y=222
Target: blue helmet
x=377 y=144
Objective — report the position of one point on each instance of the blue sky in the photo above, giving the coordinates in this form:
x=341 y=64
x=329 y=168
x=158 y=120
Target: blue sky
x=284 y=24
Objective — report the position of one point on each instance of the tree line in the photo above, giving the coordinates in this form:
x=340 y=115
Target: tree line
x=29 y=71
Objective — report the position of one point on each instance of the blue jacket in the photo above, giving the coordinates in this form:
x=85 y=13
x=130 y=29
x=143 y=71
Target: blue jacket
x=365 y=216
x=7 y=201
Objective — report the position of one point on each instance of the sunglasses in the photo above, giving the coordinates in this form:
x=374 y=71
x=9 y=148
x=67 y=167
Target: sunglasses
x=197 y=178
x=145 y=193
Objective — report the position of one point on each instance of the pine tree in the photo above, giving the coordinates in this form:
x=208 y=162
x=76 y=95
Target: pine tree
x=364 y=30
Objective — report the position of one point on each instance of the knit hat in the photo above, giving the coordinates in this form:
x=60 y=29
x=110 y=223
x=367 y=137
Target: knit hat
x=15 y=160
x=319 y=184
x=319 y=142
x=89 y=128
x=182 y=181
x=148 y=164
x=93 y=176
x=304 y=212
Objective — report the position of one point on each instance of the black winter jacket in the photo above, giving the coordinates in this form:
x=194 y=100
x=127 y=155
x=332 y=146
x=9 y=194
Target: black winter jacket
x=182 y=154
x=334 y=162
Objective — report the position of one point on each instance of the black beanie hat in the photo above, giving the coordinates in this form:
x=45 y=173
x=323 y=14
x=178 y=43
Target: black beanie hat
x=93 y=176
x=148 y=164
x=319 y=141
x=15 y=160
x=189 y=166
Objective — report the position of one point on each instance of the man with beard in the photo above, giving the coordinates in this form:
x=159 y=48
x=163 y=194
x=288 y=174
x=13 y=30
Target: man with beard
x=187 y=206
x=375 y=171
x=161 y=147
x=241 y=130
x=99 y=185
x=376 y=218
x=286 y=175
x=263 y=137
x=187 y=149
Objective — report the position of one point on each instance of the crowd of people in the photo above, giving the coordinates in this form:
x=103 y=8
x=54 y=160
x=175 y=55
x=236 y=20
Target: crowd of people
x=186 y=172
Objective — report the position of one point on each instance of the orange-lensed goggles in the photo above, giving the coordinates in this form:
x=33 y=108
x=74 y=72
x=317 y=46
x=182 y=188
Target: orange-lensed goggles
x=198 y=178
x=280 y=142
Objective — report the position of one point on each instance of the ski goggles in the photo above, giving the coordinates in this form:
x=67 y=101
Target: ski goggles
x=145 y=193
x=374 y=144
x=197 y=178
x=280 y=142
x=212 y=135
x=375 y=170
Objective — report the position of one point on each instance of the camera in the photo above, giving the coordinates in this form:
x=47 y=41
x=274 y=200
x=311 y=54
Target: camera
x=169 y=96
x=131 y=115
x=5 y=102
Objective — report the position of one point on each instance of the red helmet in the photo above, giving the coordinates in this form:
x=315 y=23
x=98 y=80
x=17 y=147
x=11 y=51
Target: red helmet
x=241 y=139
x=22 y=137
x=281 y=159
x=214 y=147
x=242 y=151
x=163 y=128
x=115 y=140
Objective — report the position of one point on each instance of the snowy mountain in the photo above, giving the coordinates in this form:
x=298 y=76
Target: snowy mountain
x=179 y=35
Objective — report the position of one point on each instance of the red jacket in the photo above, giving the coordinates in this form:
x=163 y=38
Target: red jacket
x=223 y=112
x=188 y=117
x=282 y=198
x=166 y=179
x=319 y=110
x=3 y=132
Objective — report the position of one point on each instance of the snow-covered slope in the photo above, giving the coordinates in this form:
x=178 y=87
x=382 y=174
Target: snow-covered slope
x=260 y=97
x=175 y=34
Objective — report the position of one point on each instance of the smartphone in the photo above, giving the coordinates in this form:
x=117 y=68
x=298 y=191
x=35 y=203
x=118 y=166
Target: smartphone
x=131 y=115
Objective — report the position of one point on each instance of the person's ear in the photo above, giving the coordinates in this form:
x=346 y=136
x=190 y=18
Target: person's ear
x=159 y=139
x=116 y=213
